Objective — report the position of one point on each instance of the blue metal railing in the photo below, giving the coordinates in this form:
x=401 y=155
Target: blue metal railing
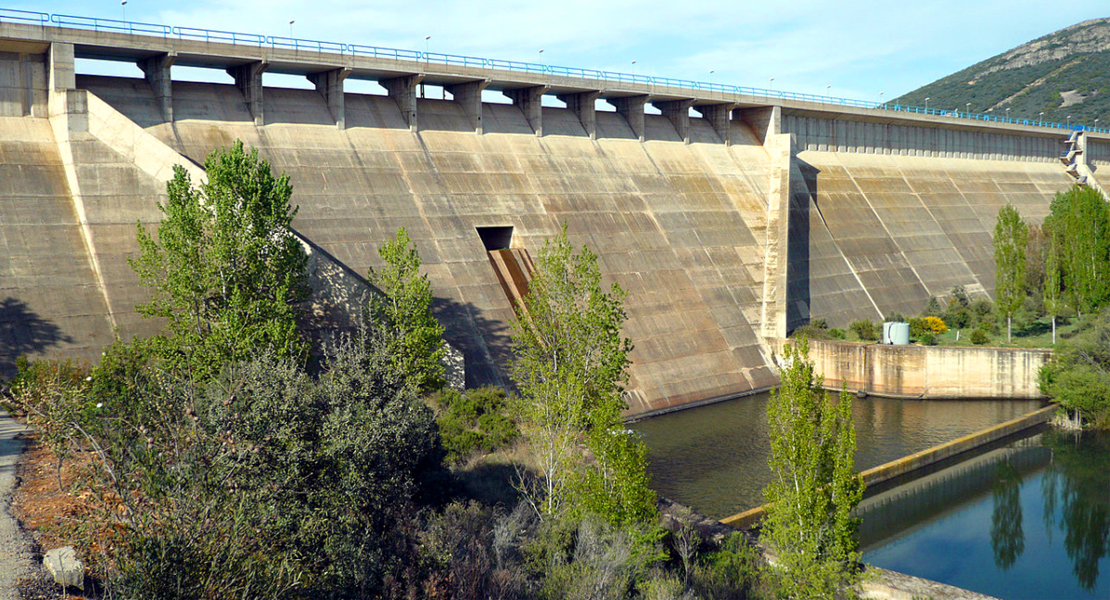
x=252 y=39
x=24 y=16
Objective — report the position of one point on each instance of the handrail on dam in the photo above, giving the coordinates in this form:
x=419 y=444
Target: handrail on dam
x=256 y=40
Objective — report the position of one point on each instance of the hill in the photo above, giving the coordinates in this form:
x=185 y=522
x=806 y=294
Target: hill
x=1063 y=73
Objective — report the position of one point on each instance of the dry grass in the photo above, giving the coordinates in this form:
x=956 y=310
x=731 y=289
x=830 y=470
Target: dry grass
x=491 y=478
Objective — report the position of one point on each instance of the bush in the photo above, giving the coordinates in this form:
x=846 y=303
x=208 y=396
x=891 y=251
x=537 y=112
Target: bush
x=928 y=339
x=894 y=318
x=957 y=317
x=810 y=332
x=979 y=337
x=933 y=308
x=934 y=325
x=474 y=421
x=864 y=330
x=836 y=334
x=982 y=311
x=1078 y=374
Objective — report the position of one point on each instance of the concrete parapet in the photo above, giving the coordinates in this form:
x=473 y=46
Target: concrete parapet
x=330 y=85
x=632 y=109
x=248 y=78
x=584 y=105
x=157 y=70
x=530 y=101
x=469 y=96
x=678 y=113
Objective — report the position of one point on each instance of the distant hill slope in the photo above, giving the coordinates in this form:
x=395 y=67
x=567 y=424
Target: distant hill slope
x=1063 y=73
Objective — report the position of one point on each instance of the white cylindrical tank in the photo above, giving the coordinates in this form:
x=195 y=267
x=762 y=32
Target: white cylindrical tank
x=895 y=333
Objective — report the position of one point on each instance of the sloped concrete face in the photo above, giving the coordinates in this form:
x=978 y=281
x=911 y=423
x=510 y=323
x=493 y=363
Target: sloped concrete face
x=50 y=302
x=876 y=234
x=681 y=227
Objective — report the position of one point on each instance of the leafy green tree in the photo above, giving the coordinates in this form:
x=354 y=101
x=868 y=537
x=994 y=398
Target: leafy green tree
x=405 y=307
x=814 y=487
x=1010 y=238
x=1078 y=373
x=570 y=368
x=1080 y=221
x=226 y=271
x=1052 y=301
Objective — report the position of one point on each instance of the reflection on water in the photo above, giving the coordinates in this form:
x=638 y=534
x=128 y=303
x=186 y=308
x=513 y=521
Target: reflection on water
x=969 y=525
x=714 y=458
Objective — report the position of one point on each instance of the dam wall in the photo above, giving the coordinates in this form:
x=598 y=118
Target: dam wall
x=929 y=372
x=725 y=229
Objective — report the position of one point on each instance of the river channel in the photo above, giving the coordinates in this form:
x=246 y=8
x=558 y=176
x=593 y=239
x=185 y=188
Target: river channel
x=714 y=458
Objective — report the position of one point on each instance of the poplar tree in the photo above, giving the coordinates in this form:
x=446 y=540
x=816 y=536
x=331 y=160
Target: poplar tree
x=570 y=368
x=1080 y=220
x=404 y=307
x=226 y=271
x=1011 y=236
x=814 y=487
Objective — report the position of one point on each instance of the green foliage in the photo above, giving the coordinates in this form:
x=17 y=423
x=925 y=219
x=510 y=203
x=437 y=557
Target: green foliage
x=933 y=308
x=864 y=330
x=405 y=306
x=226 y=271
x=730 y=572
x=473 y=421
x=928 y=338
x=1079 y=223
x=980 y=337
x=1078 y=374
x=813 y=488
x=570 y=368
x=836 y=334
x=1011 y=235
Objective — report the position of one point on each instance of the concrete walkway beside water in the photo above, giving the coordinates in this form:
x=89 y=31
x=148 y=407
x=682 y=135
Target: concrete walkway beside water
x=15 y=552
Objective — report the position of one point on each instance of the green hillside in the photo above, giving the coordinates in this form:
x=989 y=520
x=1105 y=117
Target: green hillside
x=1063 y=73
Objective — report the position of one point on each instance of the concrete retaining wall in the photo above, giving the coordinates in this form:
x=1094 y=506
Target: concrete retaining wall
x=919 y=460
x=929 y=371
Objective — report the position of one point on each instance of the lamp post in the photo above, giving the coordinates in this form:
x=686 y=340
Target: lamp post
x=291 y=21
x=967 y=109
x=926 y=105
x=1041 y=122
x=1007 y=114
x=1069 y=121
x=123 y=6
x=881 y=99
x=772 y=84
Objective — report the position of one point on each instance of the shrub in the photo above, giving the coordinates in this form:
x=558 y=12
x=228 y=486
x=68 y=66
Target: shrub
x=928 y=339
x=474 y=421
x=935 y=325
x=810 y=332
x=979 y=337
x=864 y=329
x=730 y=572
x=894 y=318
x=919 y=326
x=982 y=311
x=1078 y=374
x=836 y=334
x=933 y=308
x=957 y=317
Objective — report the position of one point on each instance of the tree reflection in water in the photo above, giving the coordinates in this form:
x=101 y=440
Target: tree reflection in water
x=1007 y=536
x=1078 y=482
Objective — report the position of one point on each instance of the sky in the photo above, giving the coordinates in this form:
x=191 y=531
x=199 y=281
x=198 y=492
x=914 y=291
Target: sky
x=850 y=48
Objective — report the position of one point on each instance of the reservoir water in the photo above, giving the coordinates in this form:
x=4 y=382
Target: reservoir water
x=714 y=458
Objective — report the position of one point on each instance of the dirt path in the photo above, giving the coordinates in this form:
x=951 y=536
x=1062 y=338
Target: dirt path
x=15 y=555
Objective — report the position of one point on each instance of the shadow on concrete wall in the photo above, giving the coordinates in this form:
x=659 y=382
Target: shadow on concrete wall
x=486 y=344
x=23 y=331
x=798 y=295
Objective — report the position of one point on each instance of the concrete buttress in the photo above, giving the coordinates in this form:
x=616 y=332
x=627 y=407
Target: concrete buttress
x=584 y=106
x=632 y=109
x=403 y=91
x=720 y=118
x=529 y=100
x=678 y=113
x=469 y=96
x=248 y=78
x=330 y=86
x=157 y=71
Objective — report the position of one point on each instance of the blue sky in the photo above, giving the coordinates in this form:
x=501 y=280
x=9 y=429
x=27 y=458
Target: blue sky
x=858 y=47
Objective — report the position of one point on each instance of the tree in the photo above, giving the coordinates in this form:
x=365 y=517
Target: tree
x=1077 y=376
x=570 y=368
x=813 y=488
x=226 y=271
x=1080 y=221
x=1010 y=238
x=405 y=307
x=1052 y=302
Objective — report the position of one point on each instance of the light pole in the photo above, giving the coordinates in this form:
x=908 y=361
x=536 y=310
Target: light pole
x=427 y=46
x=967 y=108
x=926 y=105
x=1096 y=124
x=123 y=6
x=1042 y=119
x=1069 y=121
x=1007 y=114
x=881 y=99
x=291 y=21
x=772 y=84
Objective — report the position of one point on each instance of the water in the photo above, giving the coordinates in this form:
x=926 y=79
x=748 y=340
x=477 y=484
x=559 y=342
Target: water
x=1031 y=520
x=714 y=458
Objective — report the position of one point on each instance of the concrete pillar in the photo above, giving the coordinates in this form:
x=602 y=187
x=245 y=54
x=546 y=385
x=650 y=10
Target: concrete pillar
x=678 y=113
x=63 y=74
x=781 y=151
x=765 y=121
x=248 y=78
x=469 y=96
x=632 y=109
x=720 y=118
x=330 y=85
x=157 y=70
x=530 y=101
x=584 y=105
x=403 y=91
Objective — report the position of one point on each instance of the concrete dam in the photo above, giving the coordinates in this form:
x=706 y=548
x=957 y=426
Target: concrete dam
x=729 y=218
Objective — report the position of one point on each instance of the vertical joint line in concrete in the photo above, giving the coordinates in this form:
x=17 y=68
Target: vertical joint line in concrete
x=678 y=113
x=632 y=109
x=720 y=118
x=330 y=85
x=248 y=78
x=584 y=105
x=403 y=91
x=469 y=96
x=157 y=71
x=530 y=101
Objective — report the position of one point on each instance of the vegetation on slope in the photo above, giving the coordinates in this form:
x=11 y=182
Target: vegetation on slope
x=1061 y=74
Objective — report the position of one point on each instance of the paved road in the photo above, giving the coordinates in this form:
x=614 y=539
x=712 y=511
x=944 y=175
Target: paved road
x=15 y=556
